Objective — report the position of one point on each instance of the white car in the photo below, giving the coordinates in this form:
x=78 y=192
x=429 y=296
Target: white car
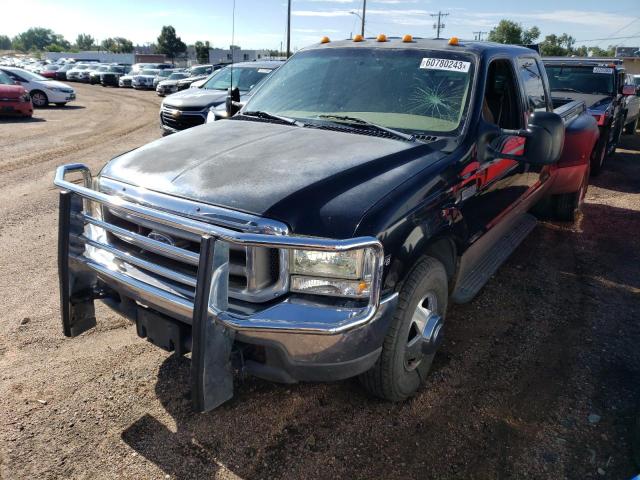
x=74 y=73
x=43 y=90
x=144 y=79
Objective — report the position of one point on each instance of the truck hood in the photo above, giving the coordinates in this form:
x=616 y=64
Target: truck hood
x=318 y=182
x=195 y=97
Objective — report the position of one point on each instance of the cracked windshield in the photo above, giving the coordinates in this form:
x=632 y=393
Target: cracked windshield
x=418 y=91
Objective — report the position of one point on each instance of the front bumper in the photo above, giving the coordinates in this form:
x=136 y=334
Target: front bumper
x=16 y=108
x=297 y=339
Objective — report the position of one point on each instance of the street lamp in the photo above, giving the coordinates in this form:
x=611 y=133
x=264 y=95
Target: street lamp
x=361 y=17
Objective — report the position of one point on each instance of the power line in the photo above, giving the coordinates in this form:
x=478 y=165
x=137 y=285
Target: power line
x=609 y=38
x=439 y=25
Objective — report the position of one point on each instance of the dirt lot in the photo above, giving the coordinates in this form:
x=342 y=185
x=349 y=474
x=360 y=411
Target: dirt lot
x=539 y=377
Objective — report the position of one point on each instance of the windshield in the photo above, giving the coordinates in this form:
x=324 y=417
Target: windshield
x=199 y=71
x=177 y=76
x=406 y=89
x=582 y=79
x=116 y=69
x=244 y=78
x=636 y=80
x=31 y=76
x=149 y=72
x=5 y=79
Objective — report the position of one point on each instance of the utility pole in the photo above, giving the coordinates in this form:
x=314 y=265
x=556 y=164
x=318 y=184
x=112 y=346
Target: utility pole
x=439 y=25
x=478 y=35
x=364 y=12
x=288 y=28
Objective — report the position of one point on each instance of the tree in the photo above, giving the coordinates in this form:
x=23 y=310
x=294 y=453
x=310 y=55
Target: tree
x=169 y=43
x=84 y=41
x=5 y=42
x=202 y=52
x=38 y=39
x=117 y=45
x=513 y=33
x=601 y=52
x=557 y=46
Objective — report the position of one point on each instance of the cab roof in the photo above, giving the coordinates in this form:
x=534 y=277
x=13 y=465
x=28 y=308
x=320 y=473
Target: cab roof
x=463 y=46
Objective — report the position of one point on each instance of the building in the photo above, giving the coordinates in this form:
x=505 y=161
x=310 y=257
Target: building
x=235 y=54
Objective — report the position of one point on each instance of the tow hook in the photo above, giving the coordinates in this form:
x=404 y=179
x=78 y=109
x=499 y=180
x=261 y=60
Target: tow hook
x=432 y=334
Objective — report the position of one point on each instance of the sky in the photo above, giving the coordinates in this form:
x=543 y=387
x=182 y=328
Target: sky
x=262 y=23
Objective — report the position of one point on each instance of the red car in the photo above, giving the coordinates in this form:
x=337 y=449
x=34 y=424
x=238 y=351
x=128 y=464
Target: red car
x=50 y=71
x=14 y=99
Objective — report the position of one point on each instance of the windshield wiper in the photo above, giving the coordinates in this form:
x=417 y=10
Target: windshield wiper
x=271 y=116
x=566 y=89
x=360 y=121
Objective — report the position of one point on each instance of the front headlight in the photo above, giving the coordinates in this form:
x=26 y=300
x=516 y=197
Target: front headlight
x=340 y=274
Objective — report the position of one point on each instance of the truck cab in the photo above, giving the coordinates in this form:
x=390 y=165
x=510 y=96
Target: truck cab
x=600 y=84
x=321 y=232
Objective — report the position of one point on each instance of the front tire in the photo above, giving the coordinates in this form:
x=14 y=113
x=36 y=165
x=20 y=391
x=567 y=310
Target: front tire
x=402 y=368
x=39 y=99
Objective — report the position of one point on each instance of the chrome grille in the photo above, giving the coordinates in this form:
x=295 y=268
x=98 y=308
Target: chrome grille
x=167 y=257
x=178 y=120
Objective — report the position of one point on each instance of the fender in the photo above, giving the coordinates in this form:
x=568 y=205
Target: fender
x=419 y=217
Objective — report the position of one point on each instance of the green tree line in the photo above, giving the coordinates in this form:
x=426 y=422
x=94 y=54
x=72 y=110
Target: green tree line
x=554 y=45
x=40 y=39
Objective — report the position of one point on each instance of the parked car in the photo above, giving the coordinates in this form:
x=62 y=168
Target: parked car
x=61 y=73
x=144 y=80
x=50 y=71
x=199 y=72
x=94 y=74
x=600 y=85
x=43 y=90
x=14 y=99
x=190 y=107
x=111 y=77
x=632 y=105
x=73 y=75
x=162 y=75
x=126 y=81
x=321 y=233
x=170 y=85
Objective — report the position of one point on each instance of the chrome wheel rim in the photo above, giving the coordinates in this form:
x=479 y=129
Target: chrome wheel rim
x=427 y=307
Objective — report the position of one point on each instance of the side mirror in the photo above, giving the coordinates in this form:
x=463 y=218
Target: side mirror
x=629 y=90
x=543 y=140
x=16 y=82
x=233 y=102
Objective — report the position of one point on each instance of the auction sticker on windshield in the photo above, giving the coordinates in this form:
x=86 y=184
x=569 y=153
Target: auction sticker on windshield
x=602 y=70
x=445 y=64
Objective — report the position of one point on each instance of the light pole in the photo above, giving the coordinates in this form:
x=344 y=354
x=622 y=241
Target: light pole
x=289 y=29
x=361 y=17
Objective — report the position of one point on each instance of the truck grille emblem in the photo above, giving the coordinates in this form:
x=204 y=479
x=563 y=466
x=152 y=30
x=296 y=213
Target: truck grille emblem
x=161 y=237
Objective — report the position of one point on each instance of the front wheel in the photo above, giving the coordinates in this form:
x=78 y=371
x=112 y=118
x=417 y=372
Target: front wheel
x=39 y=99
x=414 y=334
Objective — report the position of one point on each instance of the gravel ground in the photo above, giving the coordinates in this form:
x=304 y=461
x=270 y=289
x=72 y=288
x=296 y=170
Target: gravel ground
x=539 y=376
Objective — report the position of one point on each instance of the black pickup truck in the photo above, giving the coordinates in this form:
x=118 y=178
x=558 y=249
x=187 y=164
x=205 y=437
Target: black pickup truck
x=601 y=85
x=321 y=232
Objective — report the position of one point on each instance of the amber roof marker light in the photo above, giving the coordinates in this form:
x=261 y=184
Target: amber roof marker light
x=454 y=41
x=325 y=40
x=358 y=38
x=407 y=39
x=381 y=38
